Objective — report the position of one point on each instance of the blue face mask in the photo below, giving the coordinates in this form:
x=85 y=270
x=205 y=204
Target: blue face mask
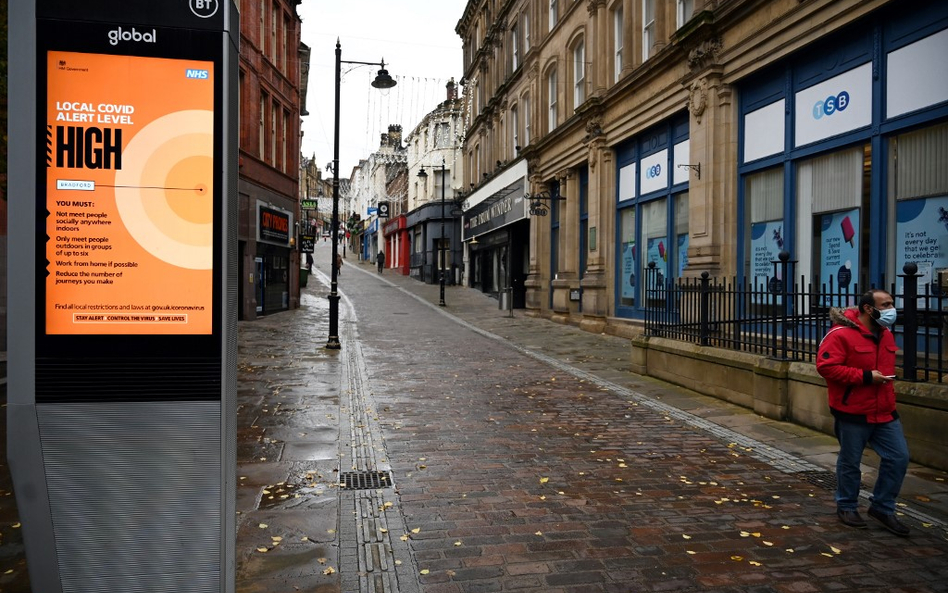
x=886 y=317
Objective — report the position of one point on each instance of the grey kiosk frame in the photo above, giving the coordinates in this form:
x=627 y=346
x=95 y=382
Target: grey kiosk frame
x=121 y=444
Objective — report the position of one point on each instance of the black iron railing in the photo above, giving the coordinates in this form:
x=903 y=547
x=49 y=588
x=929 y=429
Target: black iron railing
x=787 y=320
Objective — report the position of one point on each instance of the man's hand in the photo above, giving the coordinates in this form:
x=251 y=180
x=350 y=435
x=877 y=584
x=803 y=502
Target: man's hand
x=878 y=377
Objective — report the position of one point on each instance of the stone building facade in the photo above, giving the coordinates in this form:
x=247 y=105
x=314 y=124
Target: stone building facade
x=679 y=132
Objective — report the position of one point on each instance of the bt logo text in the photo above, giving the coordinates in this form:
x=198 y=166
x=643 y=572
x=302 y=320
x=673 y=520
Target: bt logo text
x=831 y=105
x=198 y=74
x=120 y=34
x=653 y=171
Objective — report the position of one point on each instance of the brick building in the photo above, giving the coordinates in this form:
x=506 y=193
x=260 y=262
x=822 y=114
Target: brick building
x=273 y=67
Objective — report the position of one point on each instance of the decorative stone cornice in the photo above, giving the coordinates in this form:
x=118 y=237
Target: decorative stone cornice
x=704 y=54
x=593 y=6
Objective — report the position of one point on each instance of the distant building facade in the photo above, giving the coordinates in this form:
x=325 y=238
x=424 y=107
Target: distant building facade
x=435 y=141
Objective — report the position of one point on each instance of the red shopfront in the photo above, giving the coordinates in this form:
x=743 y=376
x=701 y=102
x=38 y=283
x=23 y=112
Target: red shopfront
x=397 y=245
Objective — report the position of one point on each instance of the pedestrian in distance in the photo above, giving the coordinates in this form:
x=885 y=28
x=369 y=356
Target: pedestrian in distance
x=857 y=359
x=380 y=260
x=338 y=264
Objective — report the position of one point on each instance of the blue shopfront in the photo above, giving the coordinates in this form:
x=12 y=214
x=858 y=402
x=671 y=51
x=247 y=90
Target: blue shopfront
x=843 y=156
x=651 y=211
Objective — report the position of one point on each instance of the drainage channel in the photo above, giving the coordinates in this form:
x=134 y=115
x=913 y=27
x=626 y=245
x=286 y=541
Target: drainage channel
x=374 y=553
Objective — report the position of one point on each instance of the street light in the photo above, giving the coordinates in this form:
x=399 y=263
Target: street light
x=441 y=258
x=382 y=81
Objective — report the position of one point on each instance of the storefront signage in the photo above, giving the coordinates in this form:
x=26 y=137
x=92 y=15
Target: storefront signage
x=914 y=78
x=130 y=195
x=921 y=237
x=682 y=158
x=627 y=279
x=764 y=131
x=766 y=244
x=838 y=105
x=307 y=243
x=507 y=207
x=627 y=182
x=654 y=173
x=308 y=205
x=273 y=225
x=840 y=253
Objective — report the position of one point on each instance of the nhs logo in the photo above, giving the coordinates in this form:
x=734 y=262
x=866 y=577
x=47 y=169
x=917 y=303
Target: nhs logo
x=198 y=74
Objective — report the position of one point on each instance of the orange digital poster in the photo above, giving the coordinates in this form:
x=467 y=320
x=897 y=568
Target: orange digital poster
x=129 y=190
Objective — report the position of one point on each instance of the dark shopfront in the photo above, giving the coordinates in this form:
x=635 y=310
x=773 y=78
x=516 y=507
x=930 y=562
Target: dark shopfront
x=272 y=261
x=498 y=234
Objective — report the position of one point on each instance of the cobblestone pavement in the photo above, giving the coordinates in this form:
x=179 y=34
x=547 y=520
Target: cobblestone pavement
x=508 y=453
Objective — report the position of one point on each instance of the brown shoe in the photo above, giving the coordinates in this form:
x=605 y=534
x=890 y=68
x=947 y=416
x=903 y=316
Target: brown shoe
x=889 y=522
x=851 y=518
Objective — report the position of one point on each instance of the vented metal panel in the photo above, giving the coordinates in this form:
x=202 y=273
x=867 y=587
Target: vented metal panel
x=134 y=493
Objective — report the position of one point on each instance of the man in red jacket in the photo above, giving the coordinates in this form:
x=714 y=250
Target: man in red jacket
x=857 y=359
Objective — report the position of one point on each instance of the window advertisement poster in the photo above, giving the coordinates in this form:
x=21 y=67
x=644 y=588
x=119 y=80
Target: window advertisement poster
x=840 y=253
x=682 y=253
x=766 y=245
x=130 y=196
x=657 y=251
x=922 y=238
x=627 y=279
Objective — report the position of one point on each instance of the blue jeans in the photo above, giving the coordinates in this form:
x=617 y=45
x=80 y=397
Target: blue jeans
x=888 y=442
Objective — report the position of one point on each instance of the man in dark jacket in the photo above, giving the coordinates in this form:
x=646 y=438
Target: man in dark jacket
x=857 y=359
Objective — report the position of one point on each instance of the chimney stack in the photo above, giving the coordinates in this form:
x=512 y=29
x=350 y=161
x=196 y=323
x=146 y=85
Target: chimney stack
x=452 y=90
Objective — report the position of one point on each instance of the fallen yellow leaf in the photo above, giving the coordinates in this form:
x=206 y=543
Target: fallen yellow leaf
x=425 y=571
x=457 y=543
x=686 y=536
x=538 y=533
x=261 y=549
x=262 y=526
x=416 y=530
x=753 y=563
x=737 y=558
x=544 y=480
x=329 y=570
x=276 y=538
x=836 y=550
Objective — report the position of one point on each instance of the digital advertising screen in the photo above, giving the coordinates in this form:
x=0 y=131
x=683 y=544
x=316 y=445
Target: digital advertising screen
x=130 y=195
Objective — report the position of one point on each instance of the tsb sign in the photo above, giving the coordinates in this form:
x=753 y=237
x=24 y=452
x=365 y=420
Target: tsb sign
x=831 y=105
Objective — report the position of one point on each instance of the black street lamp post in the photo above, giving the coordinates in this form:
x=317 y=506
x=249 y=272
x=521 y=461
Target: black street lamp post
x=441 y=259
x=382 y=81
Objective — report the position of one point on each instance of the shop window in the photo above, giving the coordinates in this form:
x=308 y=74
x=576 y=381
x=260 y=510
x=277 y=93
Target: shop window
x=763 y=196
x=444 y=258
x=681 y=233
x=918 y=190
x=832 y=201
x=627 y=276
x=655 y=235
x=418 y=245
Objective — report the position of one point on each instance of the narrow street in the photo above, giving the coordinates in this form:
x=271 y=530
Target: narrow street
x=483 y=452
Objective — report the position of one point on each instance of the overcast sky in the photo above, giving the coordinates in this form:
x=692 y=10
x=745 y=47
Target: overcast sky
x=416 y=38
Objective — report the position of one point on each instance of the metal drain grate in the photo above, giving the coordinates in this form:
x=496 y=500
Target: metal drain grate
x=822 y=479
x=364 y=480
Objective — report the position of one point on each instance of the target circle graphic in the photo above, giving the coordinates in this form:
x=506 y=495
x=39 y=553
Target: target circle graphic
x=164 y=193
